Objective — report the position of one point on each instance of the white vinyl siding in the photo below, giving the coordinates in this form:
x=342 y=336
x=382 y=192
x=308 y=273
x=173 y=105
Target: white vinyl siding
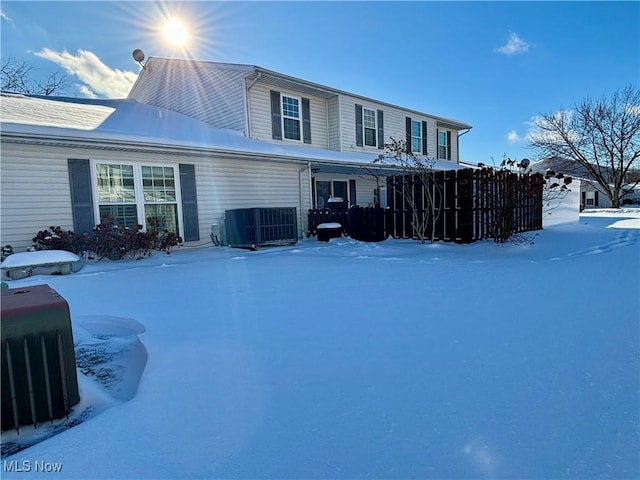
x=36 y=193
x=260 y=115
x=333 y=106
x=211 y=93
x=224 y=98
x=230 y=183
x=395 y=126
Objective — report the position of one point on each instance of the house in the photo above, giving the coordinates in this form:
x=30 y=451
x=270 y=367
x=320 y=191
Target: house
x=591 y=194
x=193 y=140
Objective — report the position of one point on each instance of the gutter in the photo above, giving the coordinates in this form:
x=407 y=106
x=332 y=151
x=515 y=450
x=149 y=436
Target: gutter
x=140 y=147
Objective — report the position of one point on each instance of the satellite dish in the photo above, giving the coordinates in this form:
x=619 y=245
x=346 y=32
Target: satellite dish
x=524 y=163
x=138 y=55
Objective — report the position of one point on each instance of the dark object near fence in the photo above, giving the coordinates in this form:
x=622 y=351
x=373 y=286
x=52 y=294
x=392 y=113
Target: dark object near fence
x=337 y=204
x=39 y=381
x=367 y=224
x=318 y=216
x=257 y=227
x=327 y=231
x=466 y=206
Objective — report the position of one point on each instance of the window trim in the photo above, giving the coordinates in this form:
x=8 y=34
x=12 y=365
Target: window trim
x=138 y=188
x=364 y=127
x=419 y=137
x=331 y=189
x=447 y=144
x=284 y=116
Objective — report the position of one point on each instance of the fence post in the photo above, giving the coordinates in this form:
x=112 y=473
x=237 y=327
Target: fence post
x=464 y=211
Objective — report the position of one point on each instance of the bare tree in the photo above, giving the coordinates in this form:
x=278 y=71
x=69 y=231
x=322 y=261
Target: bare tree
x=602 y=136
x=16 y=77
x=419 y=190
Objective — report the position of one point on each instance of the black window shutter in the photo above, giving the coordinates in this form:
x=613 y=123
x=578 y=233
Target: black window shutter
x=584 y=198
x=359 y=140
x=81 y=195
x=425 y=147
x=408 y=134
x=595 y=199
x=352 y=192
x=276 y=123
x=380 y=129
x=448 y=145
x=306 y=121
x=189 y=202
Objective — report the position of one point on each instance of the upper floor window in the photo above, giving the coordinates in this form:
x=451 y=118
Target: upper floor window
x=291 y=117
x=369 y=124
x=416 y=136
x=444 y=145
x=369 y=127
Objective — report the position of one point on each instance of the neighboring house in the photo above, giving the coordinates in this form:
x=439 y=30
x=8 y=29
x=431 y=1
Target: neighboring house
x=591 y=194
x=194 y=140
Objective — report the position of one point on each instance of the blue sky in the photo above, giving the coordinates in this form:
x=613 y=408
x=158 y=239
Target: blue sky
x=494 y=65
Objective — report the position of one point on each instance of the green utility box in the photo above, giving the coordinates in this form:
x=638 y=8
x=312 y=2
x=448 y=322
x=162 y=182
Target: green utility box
x=39 y=380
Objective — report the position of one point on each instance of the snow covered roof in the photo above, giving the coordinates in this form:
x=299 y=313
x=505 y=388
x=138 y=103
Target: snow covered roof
x=131 y=123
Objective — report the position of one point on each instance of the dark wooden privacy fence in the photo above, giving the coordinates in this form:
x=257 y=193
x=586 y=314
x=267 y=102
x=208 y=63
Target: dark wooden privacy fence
x=460 y=206
x=465 y=205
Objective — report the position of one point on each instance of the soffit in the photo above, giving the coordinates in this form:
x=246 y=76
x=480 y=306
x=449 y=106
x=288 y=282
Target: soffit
x=291 y=85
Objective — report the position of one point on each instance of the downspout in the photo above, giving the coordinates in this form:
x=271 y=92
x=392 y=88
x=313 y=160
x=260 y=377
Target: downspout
x=308 y=168
x=247 y=103
x=310 y=185
x=458 y=142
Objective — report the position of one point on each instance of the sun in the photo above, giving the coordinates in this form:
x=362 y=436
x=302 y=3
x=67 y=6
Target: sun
x=175 y=32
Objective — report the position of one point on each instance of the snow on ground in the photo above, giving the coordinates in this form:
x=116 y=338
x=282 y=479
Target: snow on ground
x=366 y=360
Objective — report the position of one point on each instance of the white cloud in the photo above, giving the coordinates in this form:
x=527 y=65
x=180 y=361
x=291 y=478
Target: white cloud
x=546 y=131
x=4 y=16
x=513 y=137
x=98 y=80
x=514 y=45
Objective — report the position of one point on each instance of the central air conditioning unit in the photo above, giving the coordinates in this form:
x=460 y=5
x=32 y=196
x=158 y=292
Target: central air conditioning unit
x=39 y=380
x=258 y=227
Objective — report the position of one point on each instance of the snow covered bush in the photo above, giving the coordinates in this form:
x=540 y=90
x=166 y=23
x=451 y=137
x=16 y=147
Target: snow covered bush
x=56 y=238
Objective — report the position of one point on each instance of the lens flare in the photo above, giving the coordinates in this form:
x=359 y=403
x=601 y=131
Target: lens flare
x=175 y=32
